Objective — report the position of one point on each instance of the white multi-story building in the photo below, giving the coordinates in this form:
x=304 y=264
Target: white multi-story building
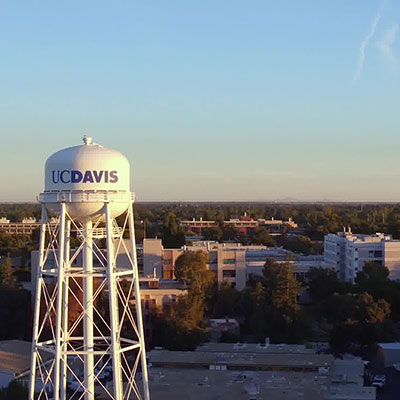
x=349 y=252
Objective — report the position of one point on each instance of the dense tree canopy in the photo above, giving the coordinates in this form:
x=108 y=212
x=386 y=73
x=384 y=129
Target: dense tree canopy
x=351 y=314
x=191 y=268
x=173 y=235
x=7 y=277
x=14 y=391
x=181 y=325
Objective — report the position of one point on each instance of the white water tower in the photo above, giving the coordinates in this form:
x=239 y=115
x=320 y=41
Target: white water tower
x=88 y=338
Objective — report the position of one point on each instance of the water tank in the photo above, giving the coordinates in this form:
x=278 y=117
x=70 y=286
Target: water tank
x=85 y=177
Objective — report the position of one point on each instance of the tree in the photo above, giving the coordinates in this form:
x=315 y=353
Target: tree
x=371 y=311
x=281 y=292
x=262 y=236
x=15 y=314
x=6 y=273
x=214 y=233
x=259 y=315
x=338 y=308
x=229 y=233
x=191 y=268
x=226 y=301
x=173 y=235
x=374 y=278
x=323 y=283
x=14 y=391
x=180 y=325
x=271 y=272
x=301 y=244
x=284 y=296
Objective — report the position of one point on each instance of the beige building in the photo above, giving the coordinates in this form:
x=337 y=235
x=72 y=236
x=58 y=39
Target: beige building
x=25 y=227
x=153 y=291
x=242 y=224
x=233 y=263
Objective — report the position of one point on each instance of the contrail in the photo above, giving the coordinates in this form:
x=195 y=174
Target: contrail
x=365 y=42
x=386 y=44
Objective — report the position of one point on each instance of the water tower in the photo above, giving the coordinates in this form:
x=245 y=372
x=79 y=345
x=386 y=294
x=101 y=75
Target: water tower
x=88 y=338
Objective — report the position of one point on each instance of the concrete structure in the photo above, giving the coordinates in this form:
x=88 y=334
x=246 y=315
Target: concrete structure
x=251 y=348
x=232 y=263
x=157 y=260
x=15 y=361
x=242 y=224
x=346 y=380
x=25 y=227
x=220 y=326
x=220 y=384
x=161 y=291
x=237 y=360
x=389 y=353
x=348 y=252
x=153 y=291
x=156 y=293
x=256 y=372
x=85 y=186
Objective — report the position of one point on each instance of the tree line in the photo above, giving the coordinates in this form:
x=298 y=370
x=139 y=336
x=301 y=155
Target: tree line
x=349 y=316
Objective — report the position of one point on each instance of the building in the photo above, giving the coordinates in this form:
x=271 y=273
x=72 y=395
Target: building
x=244 y=371
x=15 y=361
x=154 y=292
x=157 y=260
x=348 y=252
x=232 y=263
x=242 y=356
x=389 y=353
x=243 y=224
x=25 y=227
x=223 y=326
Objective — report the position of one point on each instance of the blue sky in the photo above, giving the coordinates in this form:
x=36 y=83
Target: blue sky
x=209 y=100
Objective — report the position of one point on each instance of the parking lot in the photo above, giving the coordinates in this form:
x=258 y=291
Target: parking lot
x=391 y=390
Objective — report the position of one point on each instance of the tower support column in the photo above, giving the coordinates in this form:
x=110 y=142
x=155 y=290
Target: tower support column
x=87 y=263
x=139 y=314
x=113 y=306
x=59 y=306
x=38 y=293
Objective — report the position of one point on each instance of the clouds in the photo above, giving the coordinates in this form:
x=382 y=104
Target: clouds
x=386 y=44
x=364 y=43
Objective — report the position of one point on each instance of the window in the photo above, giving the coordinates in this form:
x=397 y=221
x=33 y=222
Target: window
x=167 y=262
x=229 y=261
x=229 y=273
x=378 y=253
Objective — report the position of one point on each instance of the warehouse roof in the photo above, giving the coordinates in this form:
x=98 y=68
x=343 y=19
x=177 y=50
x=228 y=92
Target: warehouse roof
x=255 y=348
x=239 y=360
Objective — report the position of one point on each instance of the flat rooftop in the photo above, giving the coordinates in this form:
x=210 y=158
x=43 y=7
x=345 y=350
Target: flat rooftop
x=15 y=356
x=390 y=346
x=255 y=348
x=239 y=360
x=235 y=385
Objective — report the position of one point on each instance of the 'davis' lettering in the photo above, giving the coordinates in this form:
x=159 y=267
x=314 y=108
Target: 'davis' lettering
x=75 y=176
